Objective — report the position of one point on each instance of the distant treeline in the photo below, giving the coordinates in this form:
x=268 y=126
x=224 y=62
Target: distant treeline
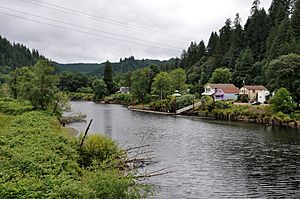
x=13 y=56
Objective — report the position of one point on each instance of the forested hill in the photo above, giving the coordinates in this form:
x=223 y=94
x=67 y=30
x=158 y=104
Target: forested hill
x=247 y=50
x=16 y=55
x=125 y=65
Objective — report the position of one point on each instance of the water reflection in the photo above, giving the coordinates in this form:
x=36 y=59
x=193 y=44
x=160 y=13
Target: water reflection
x=212 y=159
x=108 y=122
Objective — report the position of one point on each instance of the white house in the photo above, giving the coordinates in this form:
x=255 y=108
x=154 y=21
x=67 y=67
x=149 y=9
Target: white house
x=257 y=92
x=262 y=96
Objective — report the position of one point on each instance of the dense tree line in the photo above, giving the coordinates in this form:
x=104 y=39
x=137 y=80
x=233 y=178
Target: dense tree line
x=17 y=55
x=251 y=52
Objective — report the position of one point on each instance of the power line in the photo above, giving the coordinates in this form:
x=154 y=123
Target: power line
x=88 y=28
x=89 y=33
x=104 y=19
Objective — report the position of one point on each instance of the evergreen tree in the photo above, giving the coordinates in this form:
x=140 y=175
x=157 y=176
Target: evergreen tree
x=243 y=69
x=278 y=11
x=256 y=33
x=281 y=40
x=108 y=78
x=212 y=44
x=296 y=20
x=223 y=43
x=236 y=43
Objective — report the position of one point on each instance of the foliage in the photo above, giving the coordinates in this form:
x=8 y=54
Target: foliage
x=282 y=101
x=280 y=116
x=162 y=85
x=178 y=78
x=107 y=77
x=35 y=162
x=38 y=160
x=243 y=68
x=72 y=81
x=99 y=88
x=81 y=96
x=17 y=55
x=121 y=98
x=165 y=105
x=221 y=75
x=98 y=148
x=206 y=103
x=139 y=84
x=285 y=72
x=184 y=101
x=14 y=107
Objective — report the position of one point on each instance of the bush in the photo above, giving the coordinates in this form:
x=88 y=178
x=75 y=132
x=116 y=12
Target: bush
x=184 y=101
x=98 y=148
x=35 y=161
x=81 y=96
x=14 y=107
x=120 y=98
x=282 y=101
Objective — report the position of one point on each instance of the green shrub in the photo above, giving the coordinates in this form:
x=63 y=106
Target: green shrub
x=98 y=148
x=14 y=107
x=81 y=96
x=282 y=101
x=122 y=98
x=38 y=161
x=184 y=101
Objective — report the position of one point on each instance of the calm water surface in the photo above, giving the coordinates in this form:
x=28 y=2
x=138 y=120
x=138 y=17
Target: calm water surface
x=212 y=159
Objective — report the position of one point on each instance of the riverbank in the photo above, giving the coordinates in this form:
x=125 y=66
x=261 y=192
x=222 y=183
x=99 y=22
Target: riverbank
x=254 y=117
x=41 y=159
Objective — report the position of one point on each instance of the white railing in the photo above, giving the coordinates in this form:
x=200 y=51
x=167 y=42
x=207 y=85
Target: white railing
x=188 y=108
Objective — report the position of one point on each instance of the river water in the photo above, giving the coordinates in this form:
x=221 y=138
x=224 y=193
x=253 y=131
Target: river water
x=211 y=159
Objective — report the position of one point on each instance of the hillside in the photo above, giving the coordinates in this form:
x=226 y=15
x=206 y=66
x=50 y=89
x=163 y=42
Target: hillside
x=17 y=55
x=125 y=65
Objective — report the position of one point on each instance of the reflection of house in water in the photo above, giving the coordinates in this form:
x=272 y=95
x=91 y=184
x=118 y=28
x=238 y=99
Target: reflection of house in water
x=221 y=91
x=124 y=90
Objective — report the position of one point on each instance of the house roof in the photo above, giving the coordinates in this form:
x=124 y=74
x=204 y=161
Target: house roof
x=227 y=88
x=256 y=87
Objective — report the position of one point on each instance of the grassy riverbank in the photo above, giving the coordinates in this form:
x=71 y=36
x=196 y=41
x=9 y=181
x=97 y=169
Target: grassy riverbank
x=39 y=159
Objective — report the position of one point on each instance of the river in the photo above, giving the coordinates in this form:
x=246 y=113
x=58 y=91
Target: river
x=212 y=159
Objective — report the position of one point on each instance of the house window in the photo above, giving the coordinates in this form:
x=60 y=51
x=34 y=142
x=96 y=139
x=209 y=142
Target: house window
x=207 y=89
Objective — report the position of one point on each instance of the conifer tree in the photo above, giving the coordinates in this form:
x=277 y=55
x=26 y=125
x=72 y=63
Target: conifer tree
x=296 y=20
x=108 y=79
x=236 y=43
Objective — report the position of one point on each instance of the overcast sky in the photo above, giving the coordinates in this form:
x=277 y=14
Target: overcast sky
x=114 y=29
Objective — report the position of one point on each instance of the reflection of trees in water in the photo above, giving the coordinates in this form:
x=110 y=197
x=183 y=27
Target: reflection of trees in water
x=107 y=122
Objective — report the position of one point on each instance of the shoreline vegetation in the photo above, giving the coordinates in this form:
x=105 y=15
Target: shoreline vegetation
x=220 y=110
x=40 y=158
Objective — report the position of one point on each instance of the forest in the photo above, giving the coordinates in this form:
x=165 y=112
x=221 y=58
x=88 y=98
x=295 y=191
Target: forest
x=263 y=51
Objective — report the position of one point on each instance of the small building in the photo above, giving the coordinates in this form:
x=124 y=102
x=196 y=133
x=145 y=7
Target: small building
x=221 y=91
x=257 y=92
x=124 y=90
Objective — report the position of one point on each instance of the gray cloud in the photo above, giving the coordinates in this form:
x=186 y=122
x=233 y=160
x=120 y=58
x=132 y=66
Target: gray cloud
x=194 y=19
